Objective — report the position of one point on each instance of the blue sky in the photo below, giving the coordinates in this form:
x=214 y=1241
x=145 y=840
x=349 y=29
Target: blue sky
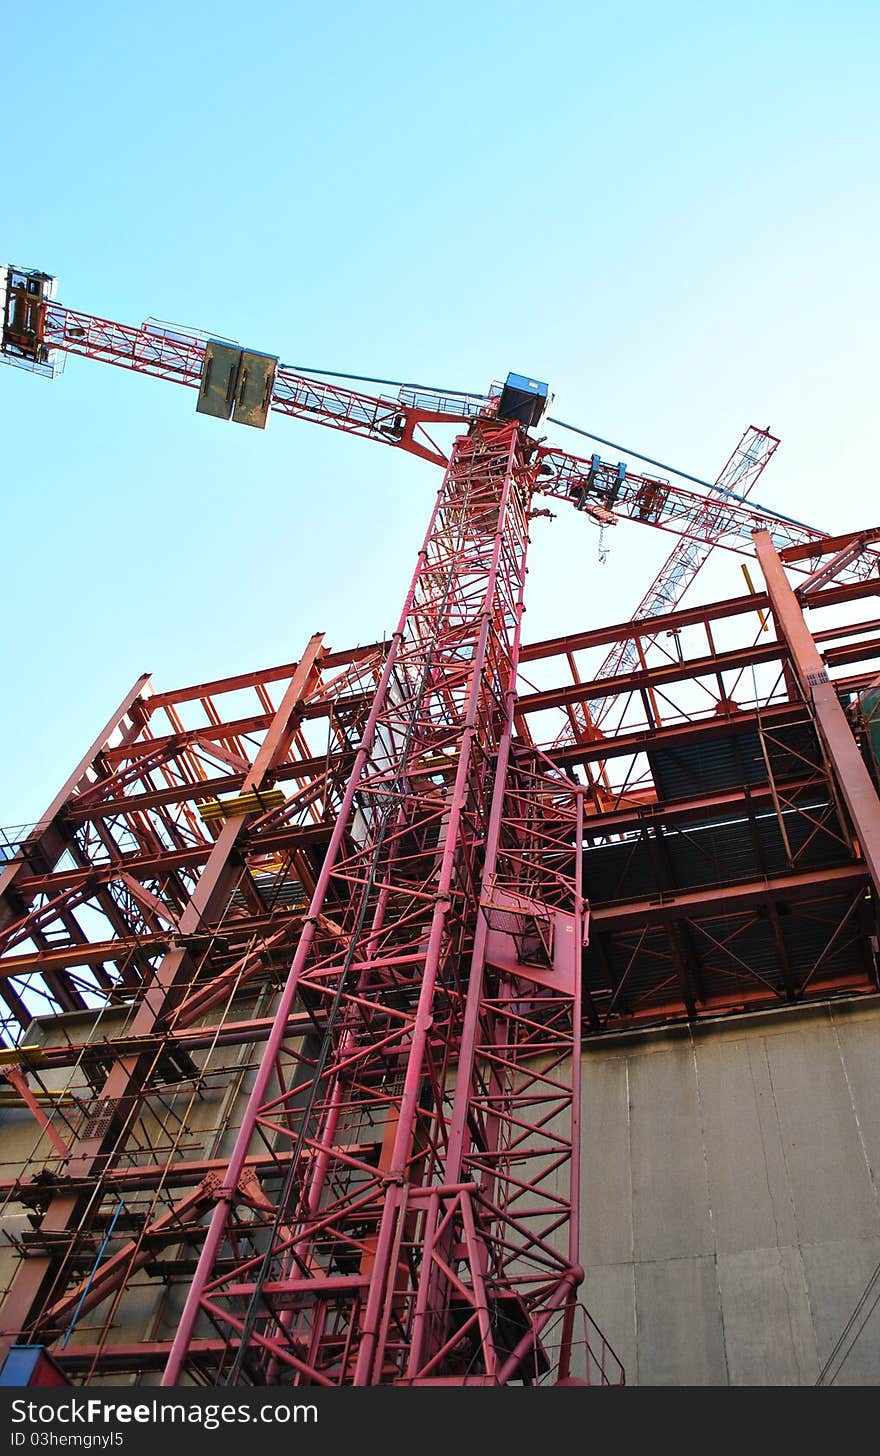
x=669 y=213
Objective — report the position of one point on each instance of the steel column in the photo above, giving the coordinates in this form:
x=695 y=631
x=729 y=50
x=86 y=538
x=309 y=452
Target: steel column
x=849 y=767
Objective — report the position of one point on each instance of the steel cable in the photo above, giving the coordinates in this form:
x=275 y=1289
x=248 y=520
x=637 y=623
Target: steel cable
x=684 y=475
x=847 y=1327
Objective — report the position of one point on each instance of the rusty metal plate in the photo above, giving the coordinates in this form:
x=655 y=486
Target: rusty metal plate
x=256 y=380
x=220 y=373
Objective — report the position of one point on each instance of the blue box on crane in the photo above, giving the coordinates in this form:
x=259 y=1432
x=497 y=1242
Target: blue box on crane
x=31 y=1365
x=523 y=399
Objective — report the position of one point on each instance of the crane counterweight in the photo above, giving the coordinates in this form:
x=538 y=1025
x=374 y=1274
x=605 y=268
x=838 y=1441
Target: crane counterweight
x=24 y=296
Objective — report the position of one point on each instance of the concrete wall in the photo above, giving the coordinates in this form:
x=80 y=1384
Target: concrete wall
x=731 y=1218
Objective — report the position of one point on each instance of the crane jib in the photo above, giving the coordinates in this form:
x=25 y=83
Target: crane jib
x=243 y=385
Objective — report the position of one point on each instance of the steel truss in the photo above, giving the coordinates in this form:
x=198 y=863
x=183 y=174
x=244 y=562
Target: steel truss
x=731 y=820
x=740 y=474
x=417 y=1096
x=386 y=963
x=380 y=979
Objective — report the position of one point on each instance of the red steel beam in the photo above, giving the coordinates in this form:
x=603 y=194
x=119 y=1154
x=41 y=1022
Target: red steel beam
x=856 y=784
x=130 y=1357
x=124 y=1086
x=216 y=687
x=702 y=807
x=147 y=1177
x=148 y=866
x=686 y=617
x=830 y=545
x=726 y=899
x=16 y=1076
x=105 y=1278
x=680 y=735
x=630 y=682
x=46 y=843
x=205 y=789
x=196 y=1038
x=733 y=660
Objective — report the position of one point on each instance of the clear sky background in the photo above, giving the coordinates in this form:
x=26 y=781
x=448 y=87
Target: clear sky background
x=668 y=211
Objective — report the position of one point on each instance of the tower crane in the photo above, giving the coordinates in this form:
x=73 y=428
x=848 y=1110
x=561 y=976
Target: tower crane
x=245 y=385
x=438 y=965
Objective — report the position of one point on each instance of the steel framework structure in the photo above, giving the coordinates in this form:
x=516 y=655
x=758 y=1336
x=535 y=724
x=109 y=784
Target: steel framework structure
x=422 y=1220
x=386 y=883
x=724 y=872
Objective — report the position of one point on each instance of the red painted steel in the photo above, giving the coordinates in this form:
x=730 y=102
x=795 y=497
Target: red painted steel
x=740 y=474
x=445 y=1251
x=594 y=487
x=401 y=956
x=178 y=356
x=851 y=770
x=116 y=826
